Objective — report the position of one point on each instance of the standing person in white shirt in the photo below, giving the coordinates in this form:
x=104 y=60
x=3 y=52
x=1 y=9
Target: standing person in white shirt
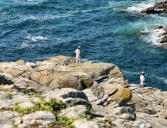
x=142 y=79
x=78 y=57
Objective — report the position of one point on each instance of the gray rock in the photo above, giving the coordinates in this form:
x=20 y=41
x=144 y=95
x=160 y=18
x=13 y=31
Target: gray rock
x=85 y=124
x=23 y=126
x=24 y=98
x=89 y=93
x=158 y=8
x=6 y=126
x=142 y=124
x=102 y=101
x=123 y=109
x=143 y=119
x=76 y=101
x=5 y=96
x=71 y=93
x=98 y=91
x=68 y=96
x=26 y=105
x=74 y=112
x=7 y=88
x=6 y=78
x=127 y=109
x=8 y=117
x=94 y=99
x=128 y=116
x=43 y=117
x=6 y=103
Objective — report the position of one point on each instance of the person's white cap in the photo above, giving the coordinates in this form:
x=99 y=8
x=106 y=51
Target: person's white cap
x=142 y=72
x=78 y=46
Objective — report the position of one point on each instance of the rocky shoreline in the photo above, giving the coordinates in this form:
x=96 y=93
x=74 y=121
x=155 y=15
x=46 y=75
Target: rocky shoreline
x=163 y=37
x=58 y=93
x=159 y=8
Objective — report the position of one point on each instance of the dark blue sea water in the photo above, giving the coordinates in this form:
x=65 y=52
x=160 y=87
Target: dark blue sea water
x=110 y=31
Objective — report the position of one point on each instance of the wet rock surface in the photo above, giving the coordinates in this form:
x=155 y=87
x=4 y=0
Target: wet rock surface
x=158 y=8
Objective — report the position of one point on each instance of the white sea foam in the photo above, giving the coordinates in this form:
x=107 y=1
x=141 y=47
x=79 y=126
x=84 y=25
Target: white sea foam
x=28 y=2
x=131 y=72
x=154 y=36
x=45 y=17
x=141 y=6
x=24 y=45
x=161 y=78
x=31 y=17
x=36 y=38
x=64 y=15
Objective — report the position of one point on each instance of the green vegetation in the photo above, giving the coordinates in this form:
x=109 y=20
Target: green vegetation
x=15 y=125
x=3 y=85
x=100 y=121
x=105 y=124
x=109 y=121
x=54 y=106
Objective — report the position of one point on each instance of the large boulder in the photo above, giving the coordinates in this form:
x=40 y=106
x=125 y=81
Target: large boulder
x=122 y=96
x=58 y=72
x=83 y=76
x=68 y=96
x=42 y=117
x=116 y=73
x=13 y=69
x=41 y=77
x=66 y=80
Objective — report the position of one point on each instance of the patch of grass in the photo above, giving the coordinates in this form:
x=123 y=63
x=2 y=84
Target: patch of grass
x=3 y=85
x=36 y=95
x=53 y=105
x=15 y=125
x=110 y=122
x=21 y=111
x=100 y=121
x=105 y=124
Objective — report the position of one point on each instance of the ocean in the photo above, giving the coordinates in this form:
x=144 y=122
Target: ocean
x=112 y=31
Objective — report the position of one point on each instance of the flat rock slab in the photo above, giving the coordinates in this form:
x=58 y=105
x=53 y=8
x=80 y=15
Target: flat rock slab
x=85 y=124
x=6 y=126
x=8 y=117
x=43 y=117
x=74 y=112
